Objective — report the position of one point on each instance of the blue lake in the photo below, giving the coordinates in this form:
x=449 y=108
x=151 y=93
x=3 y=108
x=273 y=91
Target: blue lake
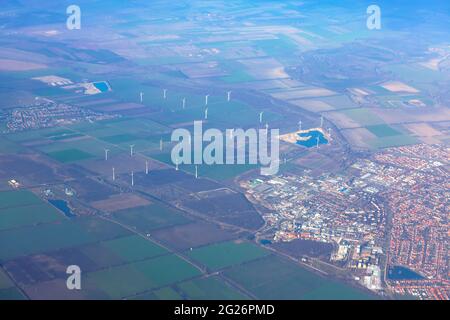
x=102 y=86
x=62 y=205
x=402 y=273
x=312 y=138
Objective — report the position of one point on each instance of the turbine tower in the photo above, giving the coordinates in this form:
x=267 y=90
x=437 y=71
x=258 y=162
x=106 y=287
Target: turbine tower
x=206 y=99
x=142 y=97
x=196 y=172
x=131 y=150
x=206 y=114
x=321 y=121
x=229 y=96
x=161 y=144
x=317 y=138
x=106 y=154
x=132 y=178
x=300 y=125
x=184 y=103
x=165 y=94
x=261 y=116
x=114 y=174
x=146 y=166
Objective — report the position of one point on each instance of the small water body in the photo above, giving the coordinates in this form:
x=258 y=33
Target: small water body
x=402 y=273
x=102 y=86
x=265 y=242
x=311 y=140
x=63 y=206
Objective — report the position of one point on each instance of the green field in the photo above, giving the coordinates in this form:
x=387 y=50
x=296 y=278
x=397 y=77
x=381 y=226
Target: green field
x=54 y=236
x=393 y=141
x=209 y=288
x=383 y=130
x=18 y=198
x=7 y=146
x=7 y=289
x=141 y=276
x=28 y=215
x=221 y=255
x=276 y=278
x=134 y=248
x=70 y=155
x=151 y=217
x=11 y=294
x=364 y=117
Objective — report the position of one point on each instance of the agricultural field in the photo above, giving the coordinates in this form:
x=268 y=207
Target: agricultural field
x=291 y=281
x=222 y=255
x=151 y=217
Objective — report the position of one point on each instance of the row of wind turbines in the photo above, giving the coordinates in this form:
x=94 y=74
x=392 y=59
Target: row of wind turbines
x=165 y=91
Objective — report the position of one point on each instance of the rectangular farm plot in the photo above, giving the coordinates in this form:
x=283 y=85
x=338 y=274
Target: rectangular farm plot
x=18 y=198
x=134 y=248
x=209 y=288
x=53 y=236
x=148 y=218
x=383 y=130
x=70 y=155
x=291 y=281
x=28 y=215
x=221 y=255
x=141 y=276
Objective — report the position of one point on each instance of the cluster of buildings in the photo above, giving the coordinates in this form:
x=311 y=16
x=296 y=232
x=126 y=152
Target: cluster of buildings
x=46 y=113
x=329 y=209
x=389 y=210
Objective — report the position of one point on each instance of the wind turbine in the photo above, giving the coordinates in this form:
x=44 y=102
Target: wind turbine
x=146 y=166
x=261 y=116
x=184 y=103
x=206 y=99
x=267 y=128
x=176 y=165
x=229 y=96
x=206 y=114
x=165 y=94
x=317 y=138
x=161 y=144
x=300 y=125
x=142 y=97
x=132 y=178
x=106 y=154
x=321 y=121
x=114 y=174
x=196 y=172
x=131 y=150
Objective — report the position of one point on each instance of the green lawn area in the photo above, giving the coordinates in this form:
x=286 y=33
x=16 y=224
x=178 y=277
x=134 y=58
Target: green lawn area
x=209 y=288
x=225 y=254
x=151 y=217
x=70 y=155
x=134 y=248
